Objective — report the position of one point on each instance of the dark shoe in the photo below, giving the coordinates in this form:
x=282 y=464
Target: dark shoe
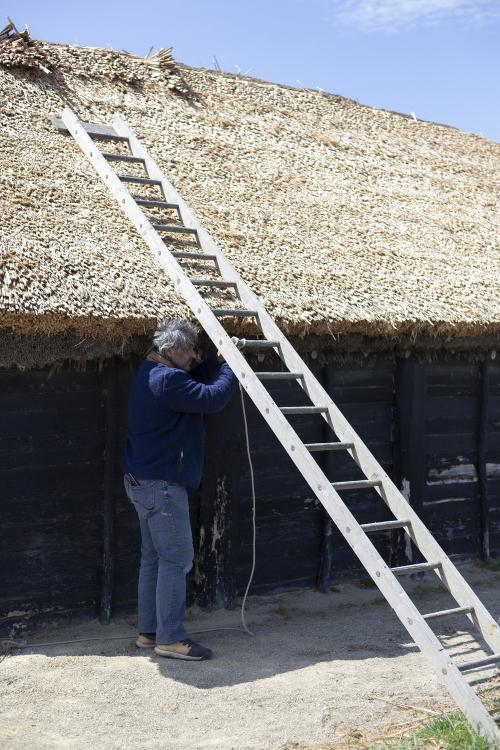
x=146 y=640
x=187 y=650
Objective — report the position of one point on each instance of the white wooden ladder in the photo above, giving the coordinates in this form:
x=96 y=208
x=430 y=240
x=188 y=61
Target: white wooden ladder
x=205 y=251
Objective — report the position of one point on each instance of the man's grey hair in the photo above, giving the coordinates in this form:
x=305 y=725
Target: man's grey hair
x=175 y=334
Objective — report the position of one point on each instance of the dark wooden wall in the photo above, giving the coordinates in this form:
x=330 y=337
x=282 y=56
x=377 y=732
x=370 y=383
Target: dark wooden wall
x=434 y=427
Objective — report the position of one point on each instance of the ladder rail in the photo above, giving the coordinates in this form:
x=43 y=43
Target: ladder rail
x=373 y=562
x=400 y=507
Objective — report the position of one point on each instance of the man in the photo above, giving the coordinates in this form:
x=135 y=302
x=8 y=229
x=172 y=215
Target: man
x=169 y=394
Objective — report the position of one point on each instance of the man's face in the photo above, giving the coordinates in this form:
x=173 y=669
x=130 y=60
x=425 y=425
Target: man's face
x=184 y=359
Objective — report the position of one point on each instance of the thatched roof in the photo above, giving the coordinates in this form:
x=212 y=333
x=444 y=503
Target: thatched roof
x=342 y=218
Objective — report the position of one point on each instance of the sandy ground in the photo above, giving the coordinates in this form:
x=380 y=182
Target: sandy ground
x=320 y=666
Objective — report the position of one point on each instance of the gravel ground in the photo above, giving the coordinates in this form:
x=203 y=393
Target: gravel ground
x=320 y=666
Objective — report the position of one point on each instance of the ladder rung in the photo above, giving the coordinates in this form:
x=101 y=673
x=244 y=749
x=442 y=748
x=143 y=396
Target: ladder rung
x=384 y=525
x=328 y=446
x=447 y=612
x=108 y=136
x=478 y=663
x=405 y=570
x=193 y=256
x=155 y=204
x=94 y=130
x=138 y=180
x=234 y=313
x=260 y=343
x=279 y=375
x=174 y=228
x=361 y=484
x=124 y=157
x=213 y=282
x=303 y=409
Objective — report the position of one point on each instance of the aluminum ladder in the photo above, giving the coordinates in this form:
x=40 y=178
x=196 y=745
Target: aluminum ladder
x=156 y=235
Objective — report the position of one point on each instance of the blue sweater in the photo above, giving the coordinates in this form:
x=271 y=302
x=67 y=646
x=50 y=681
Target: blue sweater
x=166 y=435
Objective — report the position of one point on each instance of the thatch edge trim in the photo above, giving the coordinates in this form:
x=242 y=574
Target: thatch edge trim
x=103 y=328
x=24 y=353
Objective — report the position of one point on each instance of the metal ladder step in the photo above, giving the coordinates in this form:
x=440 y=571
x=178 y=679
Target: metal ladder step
x=406 y=570
x=109 y=137
x=193 y=256
x=314 y=447
x=384 y=525
x=214 y=282
x=138 y=180
x=261 y=344
x=448 y=612
x=479 y=663
x=360 y=484
x=125 y=158
x=174 y=228
x=279 y=375
x=303 y=409
x=221 y=313
x=93 y=130
x=156 y=204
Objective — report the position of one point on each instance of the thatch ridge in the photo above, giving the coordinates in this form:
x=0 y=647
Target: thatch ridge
x=342 y=218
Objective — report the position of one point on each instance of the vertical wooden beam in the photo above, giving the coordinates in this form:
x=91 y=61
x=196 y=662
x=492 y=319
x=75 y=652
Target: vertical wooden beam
x=398 y=554
x=409 y=444
x=110 y=457
x=215 y=574
x=482 y=457
x=325 y=569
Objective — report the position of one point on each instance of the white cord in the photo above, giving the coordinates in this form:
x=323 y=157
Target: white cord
x=245 y=628
x=12 y=643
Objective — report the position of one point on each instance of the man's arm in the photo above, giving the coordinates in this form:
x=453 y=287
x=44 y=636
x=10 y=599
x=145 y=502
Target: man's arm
x=206 y=371
x=183 y=394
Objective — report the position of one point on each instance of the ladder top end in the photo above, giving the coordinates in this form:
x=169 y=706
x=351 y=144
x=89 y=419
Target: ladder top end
x=92 y=128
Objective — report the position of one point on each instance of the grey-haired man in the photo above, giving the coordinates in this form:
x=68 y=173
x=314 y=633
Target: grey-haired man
x=169 y=394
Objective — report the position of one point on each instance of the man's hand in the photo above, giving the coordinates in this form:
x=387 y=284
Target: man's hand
x=220 y=357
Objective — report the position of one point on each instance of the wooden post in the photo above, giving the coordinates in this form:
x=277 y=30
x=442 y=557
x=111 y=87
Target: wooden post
x=481 y=459
x=111 y=388
x=409 y=442
x=325 y=570
x=215 y=573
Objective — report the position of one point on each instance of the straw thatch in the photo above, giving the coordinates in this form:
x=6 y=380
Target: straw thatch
x=342 y=218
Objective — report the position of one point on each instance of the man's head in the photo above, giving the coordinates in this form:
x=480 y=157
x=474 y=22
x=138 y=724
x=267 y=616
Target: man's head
x=176 y=340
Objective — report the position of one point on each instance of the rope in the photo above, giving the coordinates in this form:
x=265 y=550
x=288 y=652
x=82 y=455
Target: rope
x=244 y=625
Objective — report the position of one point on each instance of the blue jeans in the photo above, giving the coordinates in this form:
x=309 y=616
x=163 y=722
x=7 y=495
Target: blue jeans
x=166 y=556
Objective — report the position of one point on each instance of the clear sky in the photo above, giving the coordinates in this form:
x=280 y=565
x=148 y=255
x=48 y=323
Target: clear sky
x=436 y=58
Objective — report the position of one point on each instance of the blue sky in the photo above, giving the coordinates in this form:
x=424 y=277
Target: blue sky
x=436 y=58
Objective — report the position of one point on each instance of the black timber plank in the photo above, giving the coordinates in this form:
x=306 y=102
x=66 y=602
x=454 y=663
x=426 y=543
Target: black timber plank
x=57 y=479
x=52 y=401
x=40 y=533
x=37 y=450
x=61 y=575
x=42 y=381
x=31 y=423
x=457 y=443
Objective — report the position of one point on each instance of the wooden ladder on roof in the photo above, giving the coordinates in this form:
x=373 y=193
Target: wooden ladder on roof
x=156 y=235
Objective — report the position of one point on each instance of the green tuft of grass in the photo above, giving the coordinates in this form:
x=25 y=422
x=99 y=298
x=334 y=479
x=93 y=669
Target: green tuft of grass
x=447 y=732
x=366 y=583
x=282 y=612
x=491 y=565
x=423 y=589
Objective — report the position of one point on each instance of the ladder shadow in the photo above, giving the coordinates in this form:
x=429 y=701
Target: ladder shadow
x=297 y=644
